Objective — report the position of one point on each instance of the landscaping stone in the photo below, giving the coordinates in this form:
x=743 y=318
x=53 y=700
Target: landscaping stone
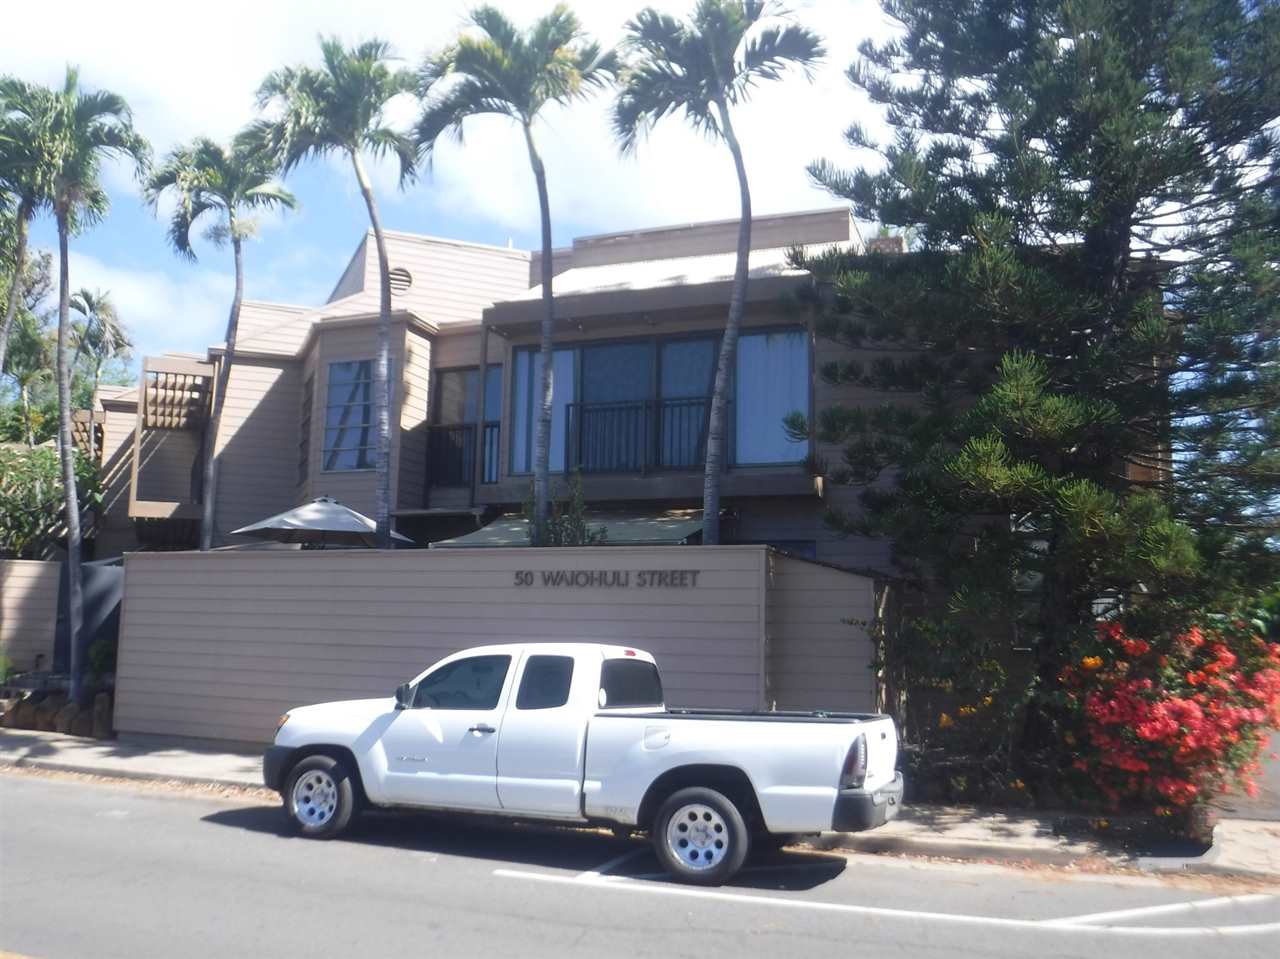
x=47 y=711
x=7 y=706
x=102 y=717
x=82 y=725
x=62 y=722
x=24 y=714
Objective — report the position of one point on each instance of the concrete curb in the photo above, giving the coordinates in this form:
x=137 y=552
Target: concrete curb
x=53 y=765
x=972 y=850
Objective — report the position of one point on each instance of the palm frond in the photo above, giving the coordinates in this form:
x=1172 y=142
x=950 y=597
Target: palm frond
x=768 y=54
x=384 y=141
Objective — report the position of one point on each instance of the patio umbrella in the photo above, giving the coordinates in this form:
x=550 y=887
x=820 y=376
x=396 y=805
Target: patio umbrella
x=322 y=522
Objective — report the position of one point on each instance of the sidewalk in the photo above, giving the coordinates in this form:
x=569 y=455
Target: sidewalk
x=1241 y=846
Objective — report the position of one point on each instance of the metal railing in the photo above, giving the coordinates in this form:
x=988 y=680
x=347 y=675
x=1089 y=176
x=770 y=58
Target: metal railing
x=640 y=435
x=451 y=454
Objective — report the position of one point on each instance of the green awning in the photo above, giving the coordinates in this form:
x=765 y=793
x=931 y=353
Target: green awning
x=670 y=528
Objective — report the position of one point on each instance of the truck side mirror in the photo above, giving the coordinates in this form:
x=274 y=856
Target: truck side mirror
x=404 y=696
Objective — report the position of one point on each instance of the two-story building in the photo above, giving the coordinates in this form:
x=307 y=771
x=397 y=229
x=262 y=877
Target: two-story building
x=639 y=315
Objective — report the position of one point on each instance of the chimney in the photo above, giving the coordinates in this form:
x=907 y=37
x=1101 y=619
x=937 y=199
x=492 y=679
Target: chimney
x=886 y=245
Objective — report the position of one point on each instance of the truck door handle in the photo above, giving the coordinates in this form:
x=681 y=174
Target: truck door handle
x=482 y=728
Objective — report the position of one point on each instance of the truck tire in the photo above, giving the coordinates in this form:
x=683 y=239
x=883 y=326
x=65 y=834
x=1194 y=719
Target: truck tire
x=319 y=798
x=700 y=836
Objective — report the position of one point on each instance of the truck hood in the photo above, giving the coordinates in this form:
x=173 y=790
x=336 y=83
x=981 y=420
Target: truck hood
x=340 y=723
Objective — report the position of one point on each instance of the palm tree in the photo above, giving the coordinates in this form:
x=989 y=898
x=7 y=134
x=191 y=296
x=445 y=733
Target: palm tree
x=225 y=183
x=339 y=108
x=101 y=336
x=83 y=128
x=27 y=363
x=702 y=68
x=514 y=74
x=23 y=107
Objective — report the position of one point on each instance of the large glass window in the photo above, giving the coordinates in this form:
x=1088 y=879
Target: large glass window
x=526 y=378
x=471 y=683
x=456 y=396
x=348 y=419
x=686 y=379
x=772 y=380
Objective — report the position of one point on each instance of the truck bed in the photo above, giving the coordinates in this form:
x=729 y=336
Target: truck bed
x=748 y=715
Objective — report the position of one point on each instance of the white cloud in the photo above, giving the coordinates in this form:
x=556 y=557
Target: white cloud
x=162 y=313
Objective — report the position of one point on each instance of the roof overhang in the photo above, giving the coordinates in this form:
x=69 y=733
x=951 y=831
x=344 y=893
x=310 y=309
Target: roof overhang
x=669 y=528
x=513 y=316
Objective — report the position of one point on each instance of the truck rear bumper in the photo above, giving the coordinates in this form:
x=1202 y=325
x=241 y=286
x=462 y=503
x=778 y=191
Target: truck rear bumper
x=858 y=809
x=274 y=759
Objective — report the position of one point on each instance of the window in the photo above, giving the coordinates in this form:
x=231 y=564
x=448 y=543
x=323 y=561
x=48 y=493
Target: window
x=772 y=380
x=629 y=682
x=349 y=442
x=455 y=401
x=471 y=683
x=626 y=405
x=304 y=441
x=526 y=377
x=545 y=684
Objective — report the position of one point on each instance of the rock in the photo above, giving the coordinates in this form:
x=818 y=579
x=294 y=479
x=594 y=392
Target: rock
x=102 y=716
x=24 y=714
x=10 y=712
x=62 y=721
x=82 y=725
x=47 y=711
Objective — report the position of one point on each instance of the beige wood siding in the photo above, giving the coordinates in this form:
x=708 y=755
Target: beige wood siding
x=115 y=528
x=452 y=281
x=272 y=327
x=816 y=660
x=167 y=459
x=28 y=611
x=414 y=412
x=217 y=645
x=258 y=442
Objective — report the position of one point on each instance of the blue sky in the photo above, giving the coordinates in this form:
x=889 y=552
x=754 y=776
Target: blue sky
x=181 y=84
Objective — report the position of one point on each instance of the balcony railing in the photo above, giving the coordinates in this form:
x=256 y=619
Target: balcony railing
x=640 y=435
x=451 y=454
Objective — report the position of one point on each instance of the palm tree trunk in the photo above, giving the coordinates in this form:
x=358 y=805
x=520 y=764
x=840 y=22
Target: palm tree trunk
x=728 y=349
x=209 y=485
x=24 y=395
x=71 y=505
x=382 y=369
x=542 y=443
x=19 y=262
x=93 y=404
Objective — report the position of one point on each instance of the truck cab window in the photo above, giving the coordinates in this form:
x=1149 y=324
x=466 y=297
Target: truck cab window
x=629 y=682
x=471 y=683
x=546 y=681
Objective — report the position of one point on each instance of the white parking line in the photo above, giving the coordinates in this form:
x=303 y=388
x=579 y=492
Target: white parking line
x=1058 y=925
x=611 y=865
x=1169 y=908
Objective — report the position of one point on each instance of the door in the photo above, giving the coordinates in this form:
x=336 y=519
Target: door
x=443 y=751
x=543 y=739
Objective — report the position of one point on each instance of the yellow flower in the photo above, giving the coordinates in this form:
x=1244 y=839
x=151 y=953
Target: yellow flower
x=1019 y=784
x=967 y=710
x=987 y=700
x=1091 y=662
x=945 y=721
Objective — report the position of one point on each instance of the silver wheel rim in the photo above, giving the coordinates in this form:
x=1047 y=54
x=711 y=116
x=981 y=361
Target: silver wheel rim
x=698 y=837
x=315 y=798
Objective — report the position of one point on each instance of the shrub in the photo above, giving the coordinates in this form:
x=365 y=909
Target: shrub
x=1169 y=721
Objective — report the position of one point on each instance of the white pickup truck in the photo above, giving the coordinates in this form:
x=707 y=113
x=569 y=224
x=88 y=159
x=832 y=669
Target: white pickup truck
x=578 y=733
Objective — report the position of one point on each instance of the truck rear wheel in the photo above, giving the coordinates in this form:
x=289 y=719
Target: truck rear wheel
x=700 y=836
x=319 y=798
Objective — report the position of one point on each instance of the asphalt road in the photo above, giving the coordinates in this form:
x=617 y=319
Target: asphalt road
x=90 y=869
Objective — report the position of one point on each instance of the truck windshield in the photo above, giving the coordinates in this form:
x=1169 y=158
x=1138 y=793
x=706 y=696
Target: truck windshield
x=629 y=682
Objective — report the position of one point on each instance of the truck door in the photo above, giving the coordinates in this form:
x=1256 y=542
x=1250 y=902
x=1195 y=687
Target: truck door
x=543 y=739
x=444 y=750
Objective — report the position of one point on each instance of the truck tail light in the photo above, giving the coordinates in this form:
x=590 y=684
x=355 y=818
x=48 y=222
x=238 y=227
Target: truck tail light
x=854 y=772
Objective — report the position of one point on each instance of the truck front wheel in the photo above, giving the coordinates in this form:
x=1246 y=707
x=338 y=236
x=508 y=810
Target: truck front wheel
x=319 y=797
x=700 y=836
